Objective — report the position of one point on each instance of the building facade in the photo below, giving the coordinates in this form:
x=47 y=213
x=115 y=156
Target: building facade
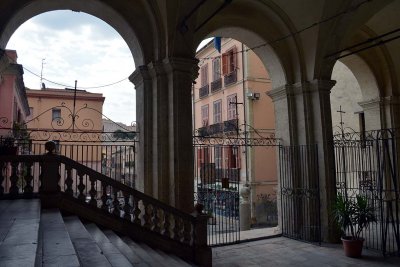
x=72 y=120
x=119 y=151
x=14 y=108
x=229 y=103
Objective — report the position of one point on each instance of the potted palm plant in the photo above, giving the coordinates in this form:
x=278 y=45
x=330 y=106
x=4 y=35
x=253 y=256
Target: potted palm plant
x=353 y=215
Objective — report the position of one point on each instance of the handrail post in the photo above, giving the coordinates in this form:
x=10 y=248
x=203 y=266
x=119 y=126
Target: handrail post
x=50 y=176
x=203 y=254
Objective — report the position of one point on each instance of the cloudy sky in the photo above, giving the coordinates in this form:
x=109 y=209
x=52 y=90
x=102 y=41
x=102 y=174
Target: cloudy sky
x=78 y=46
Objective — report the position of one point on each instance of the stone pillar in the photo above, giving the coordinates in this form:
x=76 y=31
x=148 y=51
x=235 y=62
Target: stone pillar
x=245 y=208
x=181 y=73
x=164 y=110
x=144 y=112
x=160 y=144
x=303 y=117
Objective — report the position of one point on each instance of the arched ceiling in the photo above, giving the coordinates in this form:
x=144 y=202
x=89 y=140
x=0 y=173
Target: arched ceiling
x=299 y=34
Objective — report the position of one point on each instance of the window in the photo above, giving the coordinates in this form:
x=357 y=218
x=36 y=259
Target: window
x=56 y=113
x=231 y=109
x=218 y=111
x=229 y=61
x=204 y=115
x=204 y=75
x=232 y=157
x=216 y=69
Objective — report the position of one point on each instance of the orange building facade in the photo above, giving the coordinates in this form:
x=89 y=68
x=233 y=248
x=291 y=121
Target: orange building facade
x=230 y=103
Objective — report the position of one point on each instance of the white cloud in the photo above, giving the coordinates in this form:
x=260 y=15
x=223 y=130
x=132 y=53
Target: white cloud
x=80 y=47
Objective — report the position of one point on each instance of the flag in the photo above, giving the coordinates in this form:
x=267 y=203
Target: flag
x=217 y=43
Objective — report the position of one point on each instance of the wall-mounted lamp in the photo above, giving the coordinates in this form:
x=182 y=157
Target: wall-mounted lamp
x=253 y=96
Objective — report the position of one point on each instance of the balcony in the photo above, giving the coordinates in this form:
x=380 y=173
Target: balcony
x=216 y=85
x=216 y=128
x=204 y=91
x=230 y=78
x=231 y=125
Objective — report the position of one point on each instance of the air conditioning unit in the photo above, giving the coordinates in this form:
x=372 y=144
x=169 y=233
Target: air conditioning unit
x=253 y=96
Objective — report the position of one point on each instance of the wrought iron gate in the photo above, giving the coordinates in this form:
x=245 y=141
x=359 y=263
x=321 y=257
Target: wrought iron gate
x=220 y=171
x=299 y=190
x=367 y=164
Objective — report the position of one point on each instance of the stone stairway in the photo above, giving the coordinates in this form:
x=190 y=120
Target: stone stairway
x=30 y=236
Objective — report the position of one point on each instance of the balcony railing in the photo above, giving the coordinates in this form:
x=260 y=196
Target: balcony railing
x=225 y=127
x=203 y=92
x=230 y=78
x=216 y=85
x=231 y=125
x=216 y=128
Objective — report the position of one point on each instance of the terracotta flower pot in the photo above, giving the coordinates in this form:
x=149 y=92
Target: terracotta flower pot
x=352 y=247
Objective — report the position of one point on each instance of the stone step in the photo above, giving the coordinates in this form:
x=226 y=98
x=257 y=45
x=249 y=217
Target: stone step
x=56 y=246
x=19 y=232
x=134 y=256
x=153 y=257
x=88 y=251
x=114 y=256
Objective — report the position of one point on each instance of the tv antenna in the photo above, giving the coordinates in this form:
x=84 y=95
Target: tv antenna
x=41 y=74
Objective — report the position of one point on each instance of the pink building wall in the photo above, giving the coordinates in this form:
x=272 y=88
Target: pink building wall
x=13 y=102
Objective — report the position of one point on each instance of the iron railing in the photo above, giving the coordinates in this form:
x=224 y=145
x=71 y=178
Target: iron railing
x=299 y=189
x=367 y=164
x=216 y=85
x=204 y=91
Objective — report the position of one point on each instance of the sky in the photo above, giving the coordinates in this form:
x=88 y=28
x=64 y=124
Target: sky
x=78 y=46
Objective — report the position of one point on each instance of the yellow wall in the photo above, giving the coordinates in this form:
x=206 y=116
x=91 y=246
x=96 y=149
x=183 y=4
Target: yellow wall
x=77 y=140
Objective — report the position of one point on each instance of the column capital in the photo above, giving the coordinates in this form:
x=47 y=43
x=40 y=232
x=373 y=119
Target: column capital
x=184 y=65
x=156 y=68
x=281 y=92
x=321 y=85
x=140 y=75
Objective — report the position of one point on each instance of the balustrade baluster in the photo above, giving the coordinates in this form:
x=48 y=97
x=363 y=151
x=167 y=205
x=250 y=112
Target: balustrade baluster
x=28 y=189
x=116 y=211
x=136 y=211
x=177 y=229
x=81 y=187
x=69 y=181
x=14 y=179
x=156 y=220
x=187 y=232
x=146 y=216
x=2 y=170
x=127 y=207
x=104 y=197
x=167 y=224
x=93 y=191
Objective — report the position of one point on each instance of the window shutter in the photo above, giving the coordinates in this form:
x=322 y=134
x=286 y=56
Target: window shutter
x=234 y=59
x=225 y=62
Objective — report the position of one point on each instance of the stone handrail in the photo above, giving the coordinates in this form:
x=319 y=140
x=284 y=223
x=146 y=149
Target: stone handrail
x=91 y=190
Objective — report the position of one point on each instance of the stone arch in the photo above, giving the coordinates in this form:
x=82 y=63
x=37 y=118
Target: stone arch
x=269 y=58
x=280 y=51
x=364 y=75
x=133 y=36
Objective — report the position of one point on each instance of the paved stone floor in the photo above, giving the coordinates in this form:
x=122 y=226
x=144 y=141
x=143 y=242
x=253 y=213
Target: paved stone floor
x=282 y=251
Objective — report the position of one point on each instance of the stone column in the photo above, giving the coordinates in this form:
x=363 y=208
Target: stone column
x=181 y=74
x=303 y=117
x=144 y=112
x=160 y=144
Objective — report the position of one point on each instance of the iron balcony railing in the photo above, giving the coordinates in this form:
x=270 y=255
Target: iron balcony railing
x=216 y=85
x=230 y=78
x=204 y=91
